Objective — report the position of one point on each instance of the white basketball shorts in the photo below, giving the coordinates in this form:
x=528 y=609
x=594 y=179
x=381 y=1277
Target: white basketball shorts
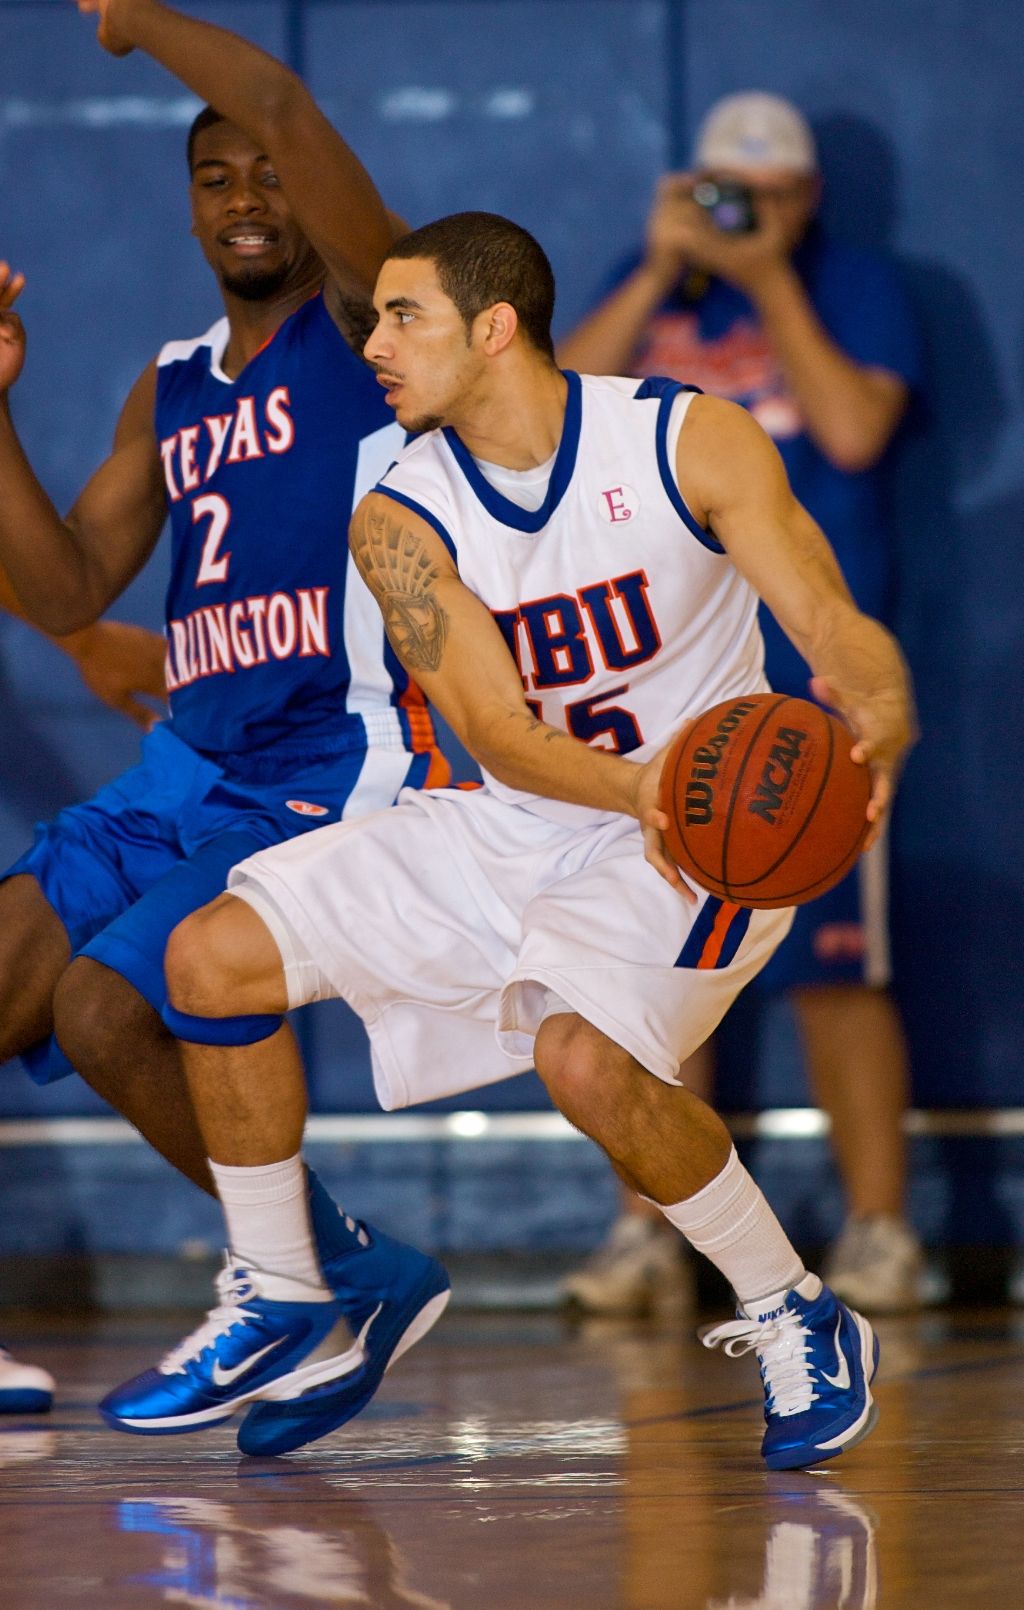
x=453 y=923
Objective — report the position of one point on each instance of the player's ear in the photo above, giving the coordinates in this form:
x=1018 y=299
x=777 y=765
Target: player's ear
x=498 y=325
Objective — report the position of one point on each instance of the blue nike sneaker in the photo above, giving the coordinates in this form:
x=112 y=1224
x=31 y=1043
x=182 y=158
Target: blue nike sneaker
x=24 y=1388
x=390 y=1294
x=818 y=1359
x=265 y=1331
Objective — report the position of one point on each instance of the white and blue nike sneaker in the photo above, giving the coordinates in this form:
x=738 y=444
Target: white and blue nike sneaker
x=391 y=1295
x=818 y=1359
x=267 y=1334
x=24 y=1388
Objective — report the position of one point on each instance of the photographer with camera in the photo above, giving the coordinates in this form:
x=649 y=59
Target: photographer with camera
x=739 y=291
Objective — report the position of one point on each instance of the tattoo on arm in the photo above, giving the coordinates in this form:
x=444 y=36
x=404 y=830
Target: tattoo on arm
x=401 y=574
x=535 y=724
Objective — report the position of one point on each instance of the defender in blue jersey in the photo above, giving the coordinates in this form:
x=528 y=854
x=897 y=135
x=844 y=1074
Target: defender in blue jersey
x=288 y=709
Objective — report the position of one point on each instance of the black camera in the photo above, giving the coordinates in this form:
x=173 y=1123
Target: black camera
x=730 y=206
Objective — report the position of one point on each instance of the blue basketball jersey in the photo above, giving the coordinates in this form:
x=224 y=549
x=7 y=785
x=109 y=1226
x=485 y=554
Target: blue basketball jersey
x=274 y=641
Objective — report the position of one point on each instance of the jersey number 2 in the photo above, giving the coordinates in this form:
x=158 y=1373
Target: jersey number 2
x=212 y=565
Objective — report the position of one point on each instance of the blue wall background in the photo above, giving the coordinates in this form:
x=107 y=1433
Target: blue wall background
x=562 y=113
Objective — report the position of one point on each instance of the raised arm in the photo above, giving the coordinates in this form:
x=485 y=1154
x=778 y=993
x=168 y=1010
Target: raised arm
x=732 y=478
x=447 y=639
x=328 y=189
x=65 y=573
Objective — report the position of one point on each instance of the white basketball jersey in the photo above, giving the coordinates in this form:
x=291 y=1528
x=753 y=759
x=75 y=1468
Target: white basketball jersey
x=624 y=616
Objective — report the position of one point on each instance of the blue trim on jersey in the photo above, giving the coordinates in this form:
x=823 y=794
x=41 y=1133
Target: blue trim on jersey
x=424 y=514
x=661 y=386
x=502 y=508
x=668 y=391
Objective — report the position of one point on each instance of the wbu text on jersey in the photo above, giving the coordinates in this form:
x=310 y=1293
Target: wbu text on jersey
x=553 y=631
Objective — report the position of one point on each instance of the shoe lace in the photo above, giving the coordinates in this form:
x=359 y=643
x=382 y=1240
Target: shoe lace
x=782 y=1352
x=234 y=1285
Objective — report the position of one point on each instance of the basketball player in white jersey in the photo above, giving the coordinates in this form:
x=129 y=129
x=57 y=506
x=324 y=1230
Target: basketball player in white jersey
x=570 y=568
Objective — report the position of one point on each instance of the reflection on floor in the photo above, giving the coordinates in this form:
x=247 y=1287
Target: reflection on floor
x=514 y=1464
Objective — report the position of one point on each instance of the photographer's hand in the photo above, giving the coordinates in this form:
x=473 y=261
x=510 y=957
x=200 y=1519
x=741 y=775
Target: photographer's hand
x=671 y=242
x=681 y=234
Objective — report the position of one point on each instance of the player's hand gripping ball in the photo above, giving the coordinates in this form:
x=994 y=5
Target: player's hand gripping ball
x=765 y=806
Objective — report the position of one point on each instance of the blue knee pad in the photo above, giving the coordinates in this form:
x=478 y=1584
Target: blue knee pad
x=247 y=1029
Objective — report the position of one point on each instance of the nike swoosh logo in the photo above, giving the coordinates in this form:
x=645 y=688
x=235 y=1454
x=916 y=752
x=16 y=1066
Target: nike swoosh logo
x=364 y=1333
x=841 y=1379
x=225 y=1377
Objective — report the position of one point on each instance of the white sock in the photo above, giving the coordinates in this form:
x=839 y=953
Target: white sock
x=731 y=1223
x=267 y=1212
x=768 y=1306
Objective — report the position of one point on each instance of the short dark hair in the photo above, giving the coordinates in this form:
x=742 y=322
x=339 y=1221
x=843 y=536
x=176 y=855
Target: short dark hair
x=202 y=120
x=482 y=258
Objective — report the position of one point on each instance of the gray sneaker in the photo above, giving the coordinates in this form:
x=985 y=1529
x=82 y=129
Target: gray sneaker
x=876 y=1265
x=639 y=1269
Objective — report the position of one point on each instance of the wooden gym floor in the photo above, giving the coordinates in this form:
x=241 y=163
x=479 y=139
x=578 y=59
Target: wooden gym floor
x=510 y=1463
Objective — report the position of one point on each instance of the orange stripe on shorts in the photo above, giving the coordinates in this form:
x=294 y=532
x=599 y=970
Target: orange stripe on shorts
x=716 y=938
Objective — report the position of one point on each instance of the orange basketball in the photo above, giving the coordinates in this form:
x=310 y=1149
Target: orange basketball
x=766 y=807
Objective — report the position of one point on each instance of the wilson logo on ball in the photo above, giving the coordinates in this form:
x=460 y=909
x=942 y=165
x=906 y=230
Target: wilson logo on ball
x=704 y=766
x=777 y=773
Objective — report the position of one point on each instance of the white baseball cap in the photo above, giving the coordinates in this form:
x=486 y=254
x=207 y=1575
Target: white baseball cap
x=755 y=130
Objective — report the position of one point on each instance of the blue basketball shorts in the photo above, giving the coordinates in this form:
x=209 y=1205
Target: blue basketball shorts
x=840 y=938
x=124 y=868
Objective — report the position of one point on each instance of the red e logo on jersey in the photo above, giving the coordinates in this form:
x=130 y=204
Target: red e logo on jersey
x=302 y=807
x=618 y=503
